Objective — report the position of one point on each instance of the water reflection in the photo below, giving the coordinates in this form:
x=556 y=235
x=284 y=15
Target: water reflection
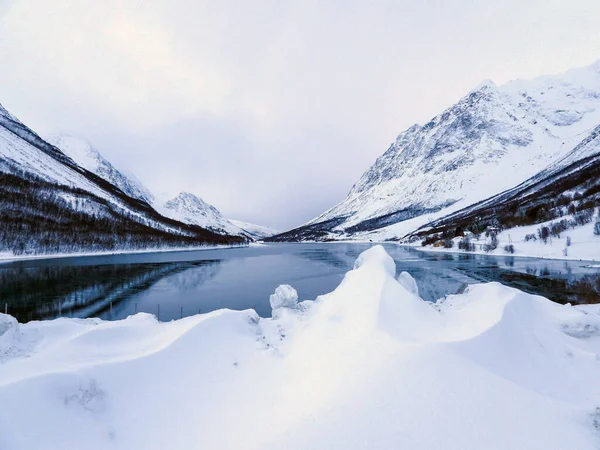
x=181 y=284
x=44 y=292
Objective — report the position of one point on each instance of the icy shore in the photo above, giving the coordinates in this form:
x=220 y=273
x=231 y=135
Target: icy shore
x=370 y=365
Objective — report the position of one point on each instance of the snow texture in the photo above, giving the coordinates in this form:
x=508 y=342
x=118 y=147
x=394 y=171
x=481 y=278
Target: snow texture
x=191 y=209
x=285 y=296
x=408 y=283
x=255 y=231
x=491 y=140
x=88 y=157
x=369 y=365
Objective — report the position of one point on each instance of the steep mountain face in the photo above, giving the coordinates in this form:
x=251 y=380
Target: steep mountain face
x=50 y=204
x=191 y=209
x=257 y=232
x=86 y=156
x=571 y=185
x=493 y=139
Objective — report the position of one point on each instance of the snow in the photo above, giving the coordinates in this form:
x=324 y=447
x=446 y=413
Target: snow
x=284 y=297
x=255 y=231
x=191 y=209
x=491 y=140
x=409 y=283
x=585 y=245
x=9 y=256
x=85 y=155
x=370 y=365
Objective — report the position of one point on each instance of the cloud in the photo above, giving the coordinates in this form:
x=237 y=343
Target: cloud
x=270 y=110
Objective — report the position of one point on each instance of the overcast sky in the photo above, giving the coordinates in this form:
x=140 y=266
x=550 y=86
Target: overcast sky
x=270 y=110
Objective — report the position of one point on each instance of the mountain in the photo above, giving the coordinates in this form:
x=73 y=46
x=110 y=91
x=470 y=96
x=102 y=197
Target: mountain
x=50 y=204
x=186 y=207
x=88 y=157
x=569 y=187
x=257 y=232
x=491 y=140
x=191 y=209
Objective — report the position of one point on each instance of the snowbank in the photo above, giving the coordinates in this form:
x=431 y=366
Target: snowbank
x=370 y=365
x=584 y=244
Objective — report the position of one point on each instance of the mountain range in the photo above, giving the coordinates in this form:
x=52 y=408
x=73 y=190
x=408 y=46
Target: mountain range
x=59 y=195
x=492 y=140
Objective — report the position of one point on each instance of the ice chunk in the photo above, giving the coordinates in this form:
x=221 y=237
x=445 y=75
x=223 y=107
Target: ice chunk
x=377 y=256
x=285 y=296
x=408 y=283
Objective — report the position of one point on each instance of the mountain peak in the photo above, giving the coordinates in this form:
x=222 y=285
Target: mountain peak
x=492 y=139
x=189 y=208
x=87 y=156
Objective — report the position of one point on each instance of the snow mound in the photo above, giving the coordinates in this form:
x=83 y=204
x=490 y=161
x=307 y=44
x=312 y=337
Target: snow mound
x=369 y=365
x=285 y=296
x=409 y=283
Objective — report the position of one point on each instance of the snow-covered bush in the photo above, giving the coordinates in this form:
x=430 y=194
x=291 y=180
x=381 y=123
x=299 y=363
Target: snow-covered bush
x=465 y=244
x=509 y=248
x=558 y=227
x=584 y=217
x=448 y=243
x=568 y=241
x=530 y=237
x=544 y=233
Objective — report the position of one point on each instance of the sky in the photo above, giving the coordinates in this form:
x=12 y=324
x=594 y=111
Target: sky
x=270 y=110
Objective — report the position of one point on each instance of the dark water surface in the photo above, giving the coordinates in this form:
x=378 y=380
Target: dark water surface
x=183 y=283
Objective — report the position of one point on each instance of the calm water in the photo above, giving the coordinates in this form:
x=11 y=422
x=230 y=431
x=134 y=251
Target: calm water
x=185 y=283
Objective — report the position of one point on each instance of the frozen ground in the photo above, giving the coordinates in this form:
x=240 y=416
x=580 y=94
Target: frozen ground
x=585 y=245
x=369 y=365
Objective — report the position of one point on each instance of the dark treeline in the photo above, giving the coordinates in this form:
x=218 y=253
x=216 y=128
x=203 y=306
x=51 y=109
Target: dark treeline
x=37 y=217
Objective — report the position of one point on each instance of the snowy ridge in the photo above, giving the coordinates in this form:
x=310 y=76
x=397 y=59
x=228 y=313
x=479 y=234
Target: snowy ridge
x=493 y=139
x=86 y=156
x=370 y=365
x=255 y=231
x=50 y=204
x=191 y=209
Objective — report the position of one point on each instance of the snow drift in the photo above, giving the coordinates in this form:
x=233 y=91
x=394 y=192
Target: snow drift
x=370 y=365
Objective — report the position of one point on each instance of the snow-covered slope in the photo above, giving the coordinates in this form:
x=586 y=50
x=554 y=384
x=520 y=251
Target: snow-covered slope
x=370 y=365
x=186 y=207
x=491 y=140
x=50 y=204
x=86 y=156
x=191 y=209
x=255 y=231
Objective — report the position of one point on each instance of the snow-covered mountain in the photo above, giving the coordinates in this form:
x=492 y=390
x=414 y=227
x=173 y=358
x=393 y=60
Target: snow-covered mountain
x=186 y=207
x=491 y=140
x=191 y=209
x=255 y=231
x=51 y=204
x=88 y=157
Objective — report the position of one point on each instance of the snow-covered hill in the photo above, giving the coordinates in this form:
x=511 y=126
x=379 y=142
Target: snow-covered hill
x=88 y=157
x=255 y=231
x=491 y=140
x=50 y=204
x=191 y=209
x=369 y=366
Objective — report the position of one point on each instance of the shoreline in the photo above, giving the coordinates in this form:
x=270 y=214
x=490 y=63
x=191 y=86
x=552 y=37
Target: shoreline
x=443 y=250
x=508 y=255
x=9 y=259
